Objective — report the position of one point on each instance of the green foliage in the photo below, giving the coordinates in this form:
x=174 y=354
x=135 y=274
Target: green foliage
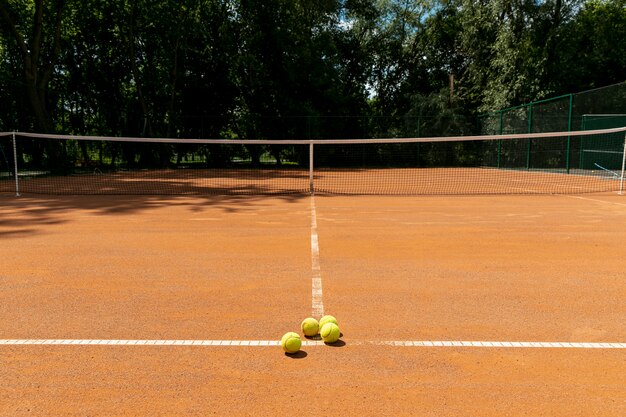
x=293 y=69
x=592 y=46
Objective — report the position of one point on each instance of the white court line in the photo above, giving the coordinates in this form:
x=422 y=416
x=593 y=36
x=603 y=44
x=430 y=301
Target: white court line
x=274 y=343
x=597 y=201
x=318 y=306
x=492 y=344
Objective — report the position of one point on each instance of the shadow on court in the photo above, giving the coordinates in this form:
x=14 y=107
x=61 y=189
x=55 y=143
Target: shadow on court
x=31 y=213
x=301 y=354
x=338 y=343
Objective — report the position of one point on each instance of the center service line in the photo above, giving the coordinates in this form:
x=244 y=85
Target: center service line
x=318 y=305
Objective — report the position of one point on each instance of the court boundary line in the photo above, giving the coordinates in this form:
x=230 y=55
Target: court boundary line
x=316 y=280
x=276 y=343
x=614 y=203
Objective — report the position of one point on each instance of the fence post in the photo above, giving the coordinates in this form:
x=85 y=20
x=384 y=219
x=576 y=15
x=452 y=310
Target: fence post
x=621 y=181
x=500 y=141
x=569 y=129
x=17 y=181
x=530 y=130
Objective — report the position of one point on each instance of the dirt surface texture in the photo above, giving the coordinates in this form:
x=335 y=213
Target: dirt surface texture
x=448 y=306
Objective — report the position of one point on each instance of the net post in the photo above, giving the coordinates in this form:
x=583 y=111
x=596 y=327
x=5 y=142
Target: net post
x=311 y=186
x=621 y=180
x=17 y=181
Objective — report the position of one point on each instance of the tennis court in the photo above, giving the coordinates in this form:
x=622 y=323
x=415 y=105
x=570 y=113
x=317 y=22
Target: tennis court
x=448 y=305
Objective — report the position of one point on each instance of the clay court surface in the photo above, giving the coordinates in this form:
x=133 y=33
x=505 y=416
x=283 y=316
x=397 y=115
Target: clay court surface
x=233 y=273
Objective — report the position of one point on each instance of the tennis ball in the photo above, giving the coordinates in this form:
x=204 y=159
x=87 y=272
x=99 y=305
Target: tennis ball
x=310 y=327
x=328 y=319
x=330 y=333
x=291 y=342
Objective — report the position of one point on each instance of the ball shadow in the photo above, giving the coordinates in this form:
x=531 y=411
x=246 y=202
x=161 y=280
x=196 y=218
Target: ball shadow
x=338 y=343
x=298 y=355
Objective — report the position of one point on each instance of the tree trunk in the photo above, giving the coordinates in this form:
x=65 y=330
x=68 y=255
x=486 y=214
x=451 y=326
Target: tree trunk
x=37 y=74
x=147 y=124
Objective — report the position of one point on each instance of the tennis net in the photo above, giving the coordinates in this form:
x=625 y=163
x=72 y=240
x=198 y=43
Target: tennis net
x=543 y=163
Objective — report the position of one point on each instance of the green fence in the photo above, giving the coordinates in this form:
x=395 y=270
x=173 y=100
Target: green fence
x=560 y=114
x=601 y=108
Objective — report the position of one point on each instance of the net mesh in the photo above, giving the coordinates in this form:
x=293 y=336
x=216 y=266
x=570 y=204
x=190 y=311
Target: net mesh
x=506 y=164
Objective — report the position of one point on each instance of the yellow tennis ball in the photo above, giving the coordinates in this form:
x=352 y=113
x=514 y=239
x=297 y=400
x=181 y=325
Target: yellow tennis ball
x=310 y=327
x=327 y=319
x=291 y=342
x=330 y=332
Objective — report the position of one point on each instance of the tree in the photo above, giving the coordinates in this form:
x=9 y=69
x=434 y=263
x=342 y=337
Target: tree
x=36 y=30
x=591 y=52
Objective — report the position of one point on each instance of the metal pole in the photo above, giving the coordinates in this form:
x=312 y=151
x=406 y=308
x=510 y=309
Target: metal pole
x=311 y=187
x=569 y=129
x=621 y=180
x=500 y=142
x=17 y=182
x=530 y=130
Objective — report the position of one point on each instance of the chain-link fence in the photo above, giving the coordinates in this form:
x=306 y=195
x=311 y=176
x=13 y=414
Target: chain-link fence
x=601 y=108
x=605 y=106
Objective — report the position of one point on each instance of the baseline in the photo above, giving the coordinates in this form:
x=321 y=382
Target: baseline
x=264 y=343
